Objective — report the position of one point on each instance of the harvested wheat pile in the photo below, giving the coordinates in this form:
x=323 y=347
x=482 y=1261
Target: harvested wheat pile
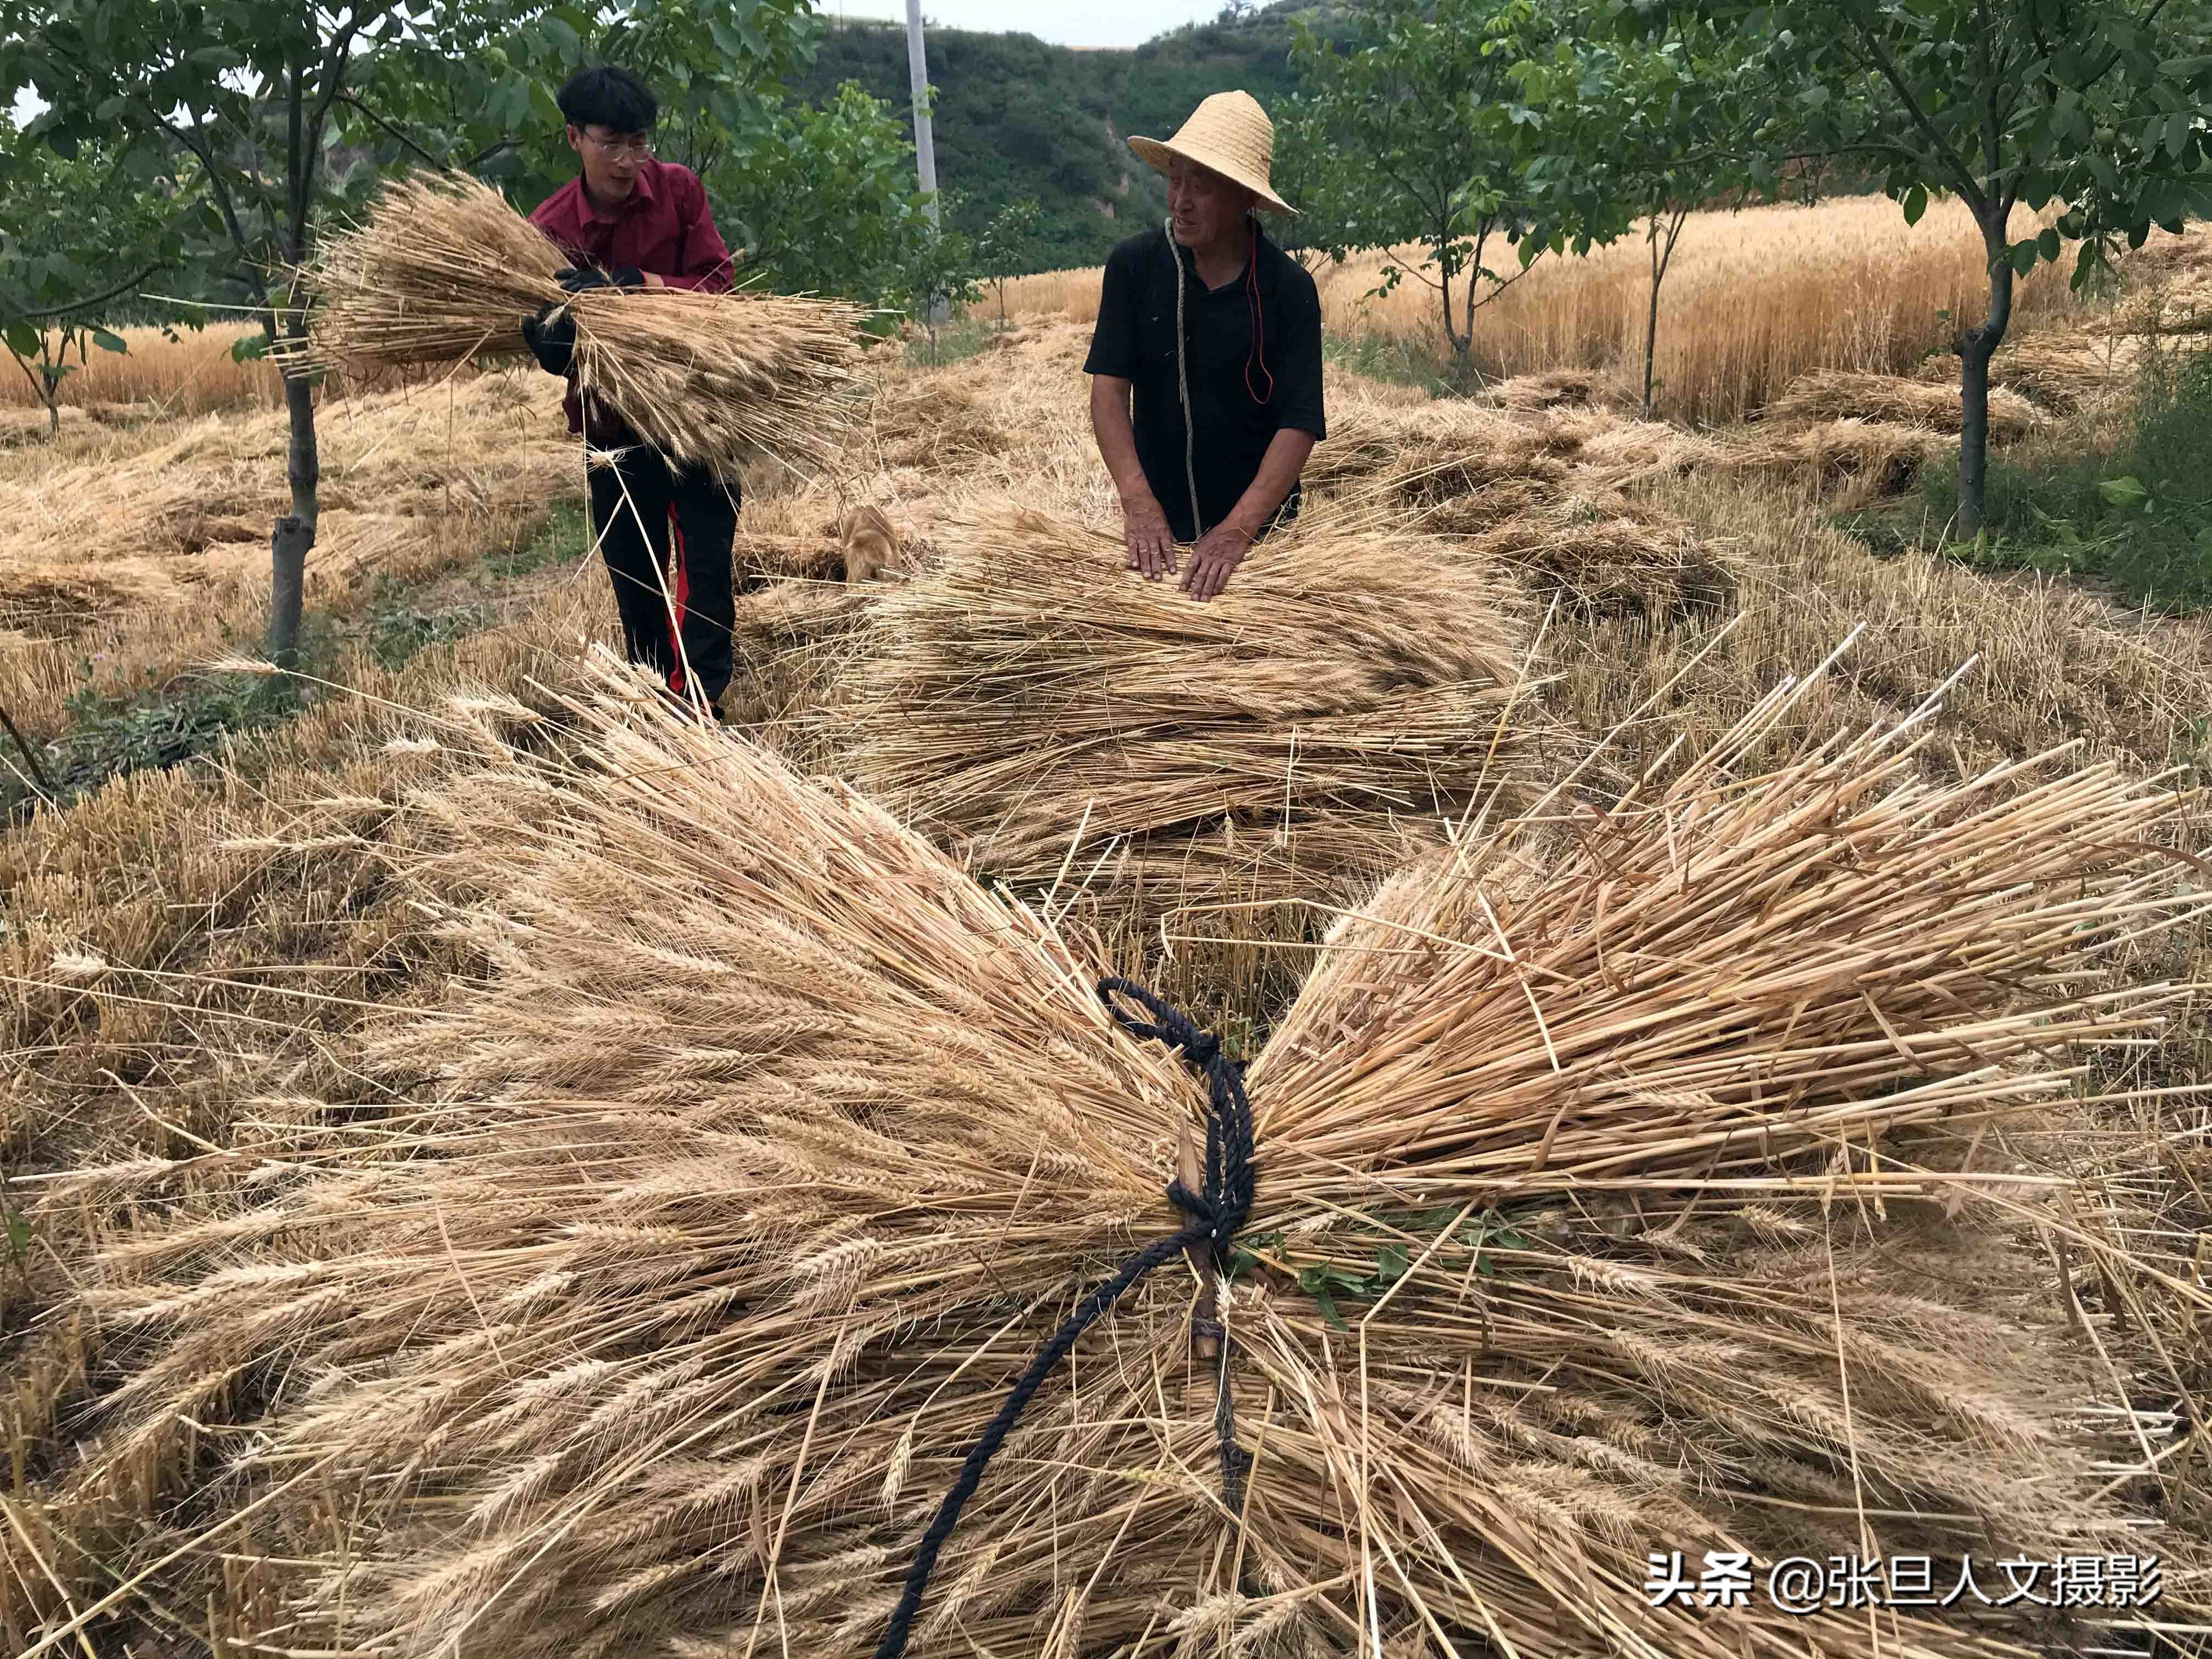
x=660 y=1319
x=1578 y=388
x=798 y=612
x=1397 y=455
x=445 y=271
x=2064 y=373
x=1854 y=461
x=1434 y=449
x=1033 y=703
x=1835 y=395
x=1602 y=556
x=935 y=422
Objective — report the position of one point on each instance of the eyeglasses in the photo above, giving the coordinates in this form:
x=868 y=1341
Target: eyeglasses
x=638 y=147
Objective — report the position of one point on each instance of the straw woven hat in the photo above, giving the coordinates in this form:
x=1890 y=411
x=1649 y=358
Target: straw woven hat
x=1229 y=134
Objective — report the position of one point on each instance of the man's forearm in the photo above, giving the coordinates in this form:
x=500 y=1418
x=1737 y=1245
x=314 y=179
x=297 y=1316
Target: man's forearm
x=1277 y=475
x=1117 y=437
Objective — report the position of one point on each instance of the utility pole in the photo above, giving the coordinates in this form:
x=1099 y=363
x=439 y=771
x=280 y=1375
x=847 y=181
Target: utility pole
x=925 y=148
x=917 y=69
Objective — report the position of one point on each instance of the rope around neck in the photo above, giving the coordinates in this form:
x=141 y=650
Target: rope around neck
x=1217 y=1211
x=1182 y=386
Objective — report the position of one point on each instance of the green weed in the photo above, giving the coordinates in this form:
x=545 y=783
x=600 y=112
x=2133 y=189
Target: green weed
x=2138 y=516
x=564 y=538
x=952 y=343
x=1387 y=355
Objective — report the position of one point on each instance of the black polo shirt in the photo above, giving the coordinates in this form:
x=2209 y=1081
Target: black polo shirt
x=1237 y=403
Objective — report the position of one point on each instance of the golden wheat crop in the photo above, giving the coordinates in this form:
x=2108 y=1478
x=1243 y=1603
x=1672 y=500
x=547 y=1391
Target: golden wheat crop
x=1751 y=301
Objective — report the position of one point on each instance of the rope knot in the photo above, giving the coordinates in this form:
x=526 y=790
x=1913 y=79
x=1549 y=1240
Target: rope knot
x=1219 y=1209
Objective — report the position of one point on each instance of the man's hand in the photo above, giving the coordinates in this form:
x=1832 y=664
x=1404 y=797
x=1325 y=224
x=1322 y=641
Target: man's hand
x=653 y=279
x=577 y=278
x=1214 y=560
x=551 y=338
x=1144 y=528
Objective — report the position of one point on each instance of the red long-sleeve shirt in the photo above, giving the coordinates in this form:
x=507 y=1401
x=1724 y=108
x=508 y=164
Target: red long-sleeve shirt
x=664 y=226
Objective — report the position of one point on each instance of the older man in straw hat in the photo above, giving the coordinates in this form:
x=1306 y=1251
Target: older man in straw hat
x=1205 y=366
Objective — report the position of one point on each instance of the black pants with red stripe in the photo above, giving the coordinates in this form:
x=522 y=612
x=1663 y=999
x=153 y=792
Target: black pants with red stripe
x=664 y=530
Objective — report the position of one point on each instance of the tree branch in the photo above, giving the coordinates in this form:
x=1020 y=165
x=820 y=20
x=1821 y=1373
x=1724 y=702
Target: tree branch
x=1992 y=92
x=1943 y=153
x=193 y=141
x=100 y=298
x=354 y=103
x=488 y=152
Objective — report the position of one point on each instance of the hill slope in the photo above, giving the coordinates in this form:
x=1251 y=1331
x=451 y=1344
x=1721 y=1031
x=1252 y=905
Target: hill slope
x=1016 y=117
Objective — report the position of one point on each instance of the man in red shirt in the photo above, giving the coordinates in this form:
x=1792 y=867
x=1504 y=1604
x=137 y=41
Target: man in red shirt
x=663 y=527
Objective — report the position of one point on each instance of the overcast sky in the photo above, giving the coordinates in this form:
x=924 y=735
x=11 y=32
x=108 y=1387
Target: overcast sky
x=1065 y=23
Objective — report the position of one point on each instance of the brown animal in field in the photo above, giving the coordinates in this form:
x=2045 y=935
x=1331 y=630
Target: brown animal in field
x=870 y=544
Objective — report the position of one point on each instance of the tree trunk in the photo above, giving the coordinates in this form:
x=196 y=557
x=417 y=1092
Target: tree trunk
x=1651 y=315
x=53 y=418
x=294 y=532
x=1976 y=346
x=1663 y=255
x=1457 y=346
x=287 y=587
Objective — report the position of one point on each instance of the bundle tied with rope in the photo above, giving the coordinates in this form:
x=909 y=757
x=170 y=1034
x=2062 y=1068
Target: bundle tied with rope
x=1064 y=725
x=1611 y=1187
x=444 y=271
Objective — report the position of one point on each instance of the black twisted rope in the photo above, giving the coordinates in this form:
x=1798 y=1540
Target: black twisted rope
x=1217 y=1211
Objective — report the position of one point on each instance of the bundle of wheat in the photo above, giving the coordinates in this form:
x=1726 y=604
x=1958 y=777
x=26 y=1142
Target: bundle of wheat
x=1033 y=703
x=1427 y=451
x=1837 y=395
x=659 y=1319
x=798 y=612
x=445 y=271
x=1418 y=456
x=1853 y=460
x=1555 y=387
x=1601 y=555
x=933 y=422
x=2063 y=372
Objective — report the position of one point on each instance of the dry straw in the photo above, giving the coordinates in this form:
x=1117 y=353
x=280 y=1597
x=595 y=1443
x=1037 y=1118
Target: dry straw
x=770 y=1147
x=2066 y=374
x=1834 y=395
x=1039 y=706
x=446 y=270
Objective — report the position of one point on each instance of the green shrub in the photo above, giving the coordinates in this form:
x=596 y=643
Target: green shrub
x=2138 y=516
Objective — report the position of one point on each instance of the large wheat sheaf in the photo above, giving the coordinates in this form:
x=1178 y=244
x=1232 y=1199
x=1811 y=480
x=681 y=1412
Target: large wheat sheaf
x=1053 y=718
x=443 y=270
x=1614 y=1194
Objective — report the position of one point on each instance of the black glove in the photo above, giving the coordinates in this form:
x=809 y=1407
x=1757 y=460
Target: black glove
x=552 y=339
x=577 y=279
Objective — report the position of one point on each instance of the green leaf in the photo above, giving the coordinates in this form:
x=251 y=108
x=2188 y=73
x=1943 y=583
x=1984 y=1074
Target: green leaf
x=2022 y=255
x=249 y=348
x=107 y=341
x=1313 y=1280
x=1328 y=1305
x=2047 y=245
x=1391 y=1264
x=19 y=1233
x=1916 y=203
x=22 y=339
x=2128 y=493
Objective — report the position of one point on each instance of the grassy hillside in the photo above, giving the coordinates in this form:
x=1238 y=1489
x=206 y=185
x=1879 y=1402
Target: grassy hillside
x=1015 y=117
